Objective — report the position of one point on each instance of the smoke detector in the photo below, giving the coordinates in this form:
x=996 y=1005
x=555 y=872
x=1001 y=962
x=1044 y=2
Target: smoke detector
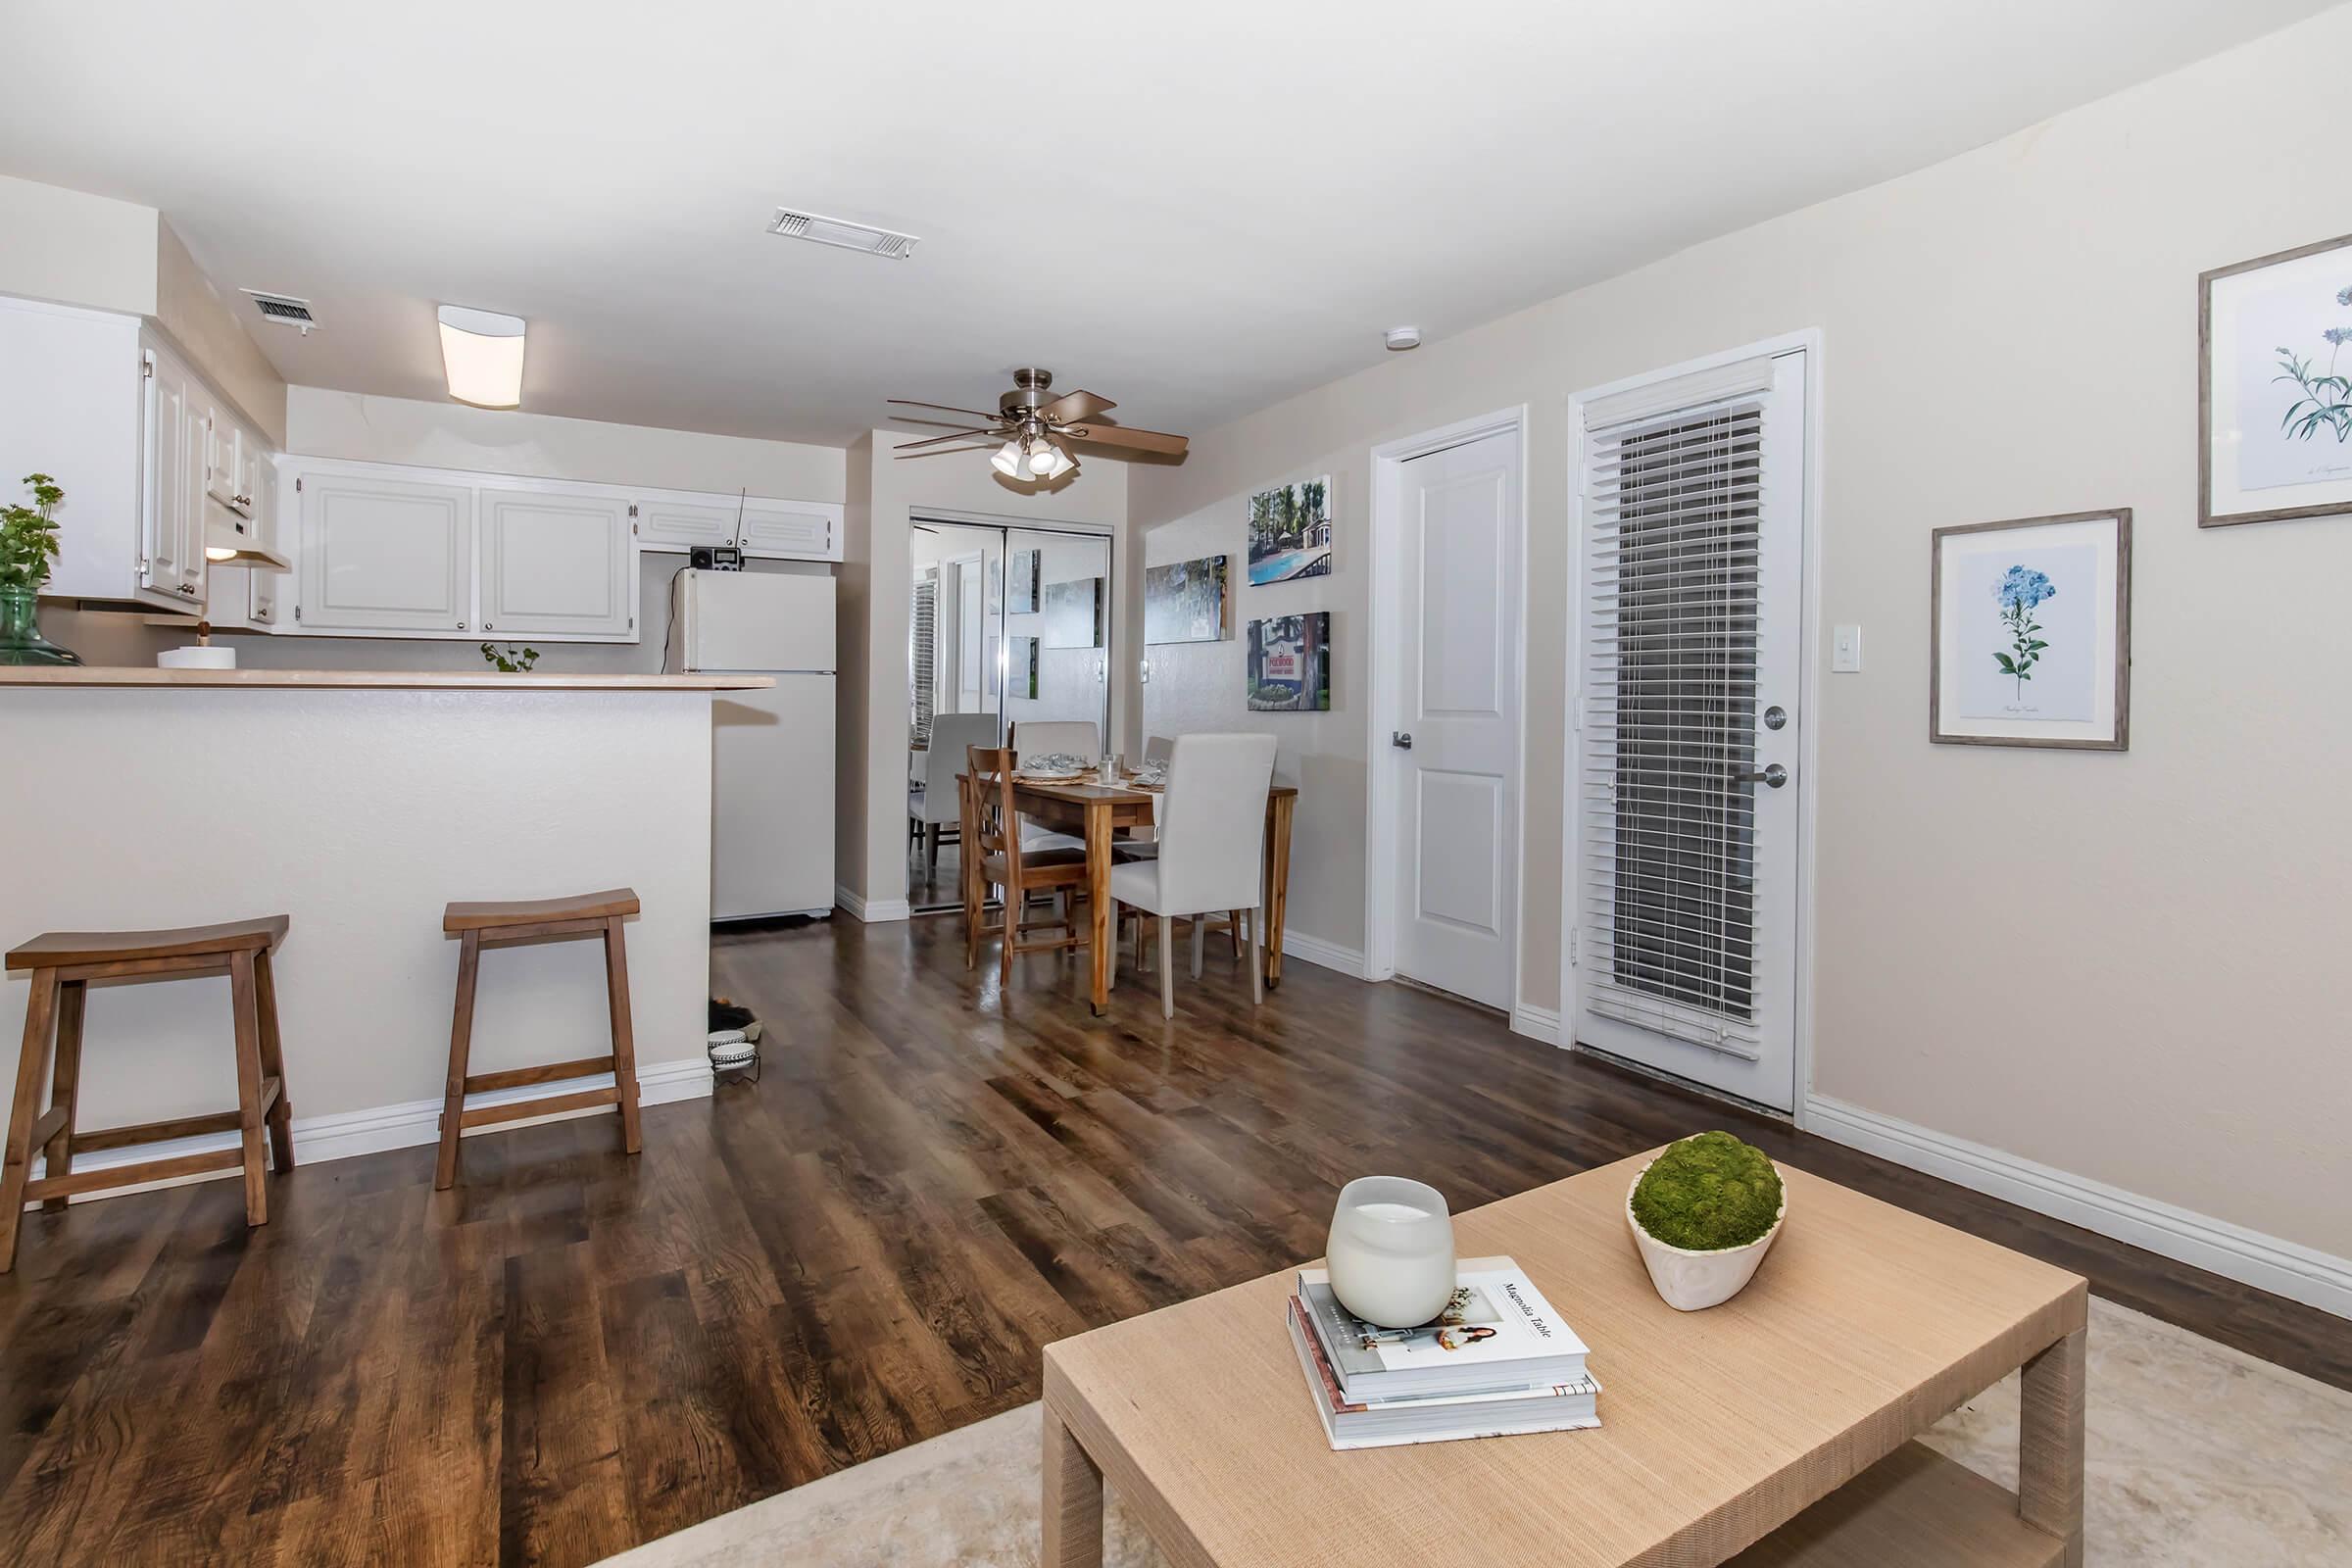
x=284 y=309
x=1401 y=339
x=842 y=233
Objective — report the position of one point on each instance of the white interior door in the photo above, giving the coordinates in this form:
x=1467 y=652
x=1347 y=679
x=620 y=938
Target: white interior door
x=1683 y=809
x=1456 y=747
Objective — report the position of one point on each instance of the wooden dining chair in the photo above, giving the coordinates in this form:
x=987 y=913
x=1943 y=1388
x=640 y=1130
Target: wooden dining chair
x=1212 y=842
x=993 y=829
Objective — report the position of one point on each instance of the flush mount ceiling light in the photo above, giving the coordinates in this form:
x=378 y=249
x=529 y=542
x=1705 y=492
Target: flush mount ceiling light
x=1401 y=339
x=481 y=353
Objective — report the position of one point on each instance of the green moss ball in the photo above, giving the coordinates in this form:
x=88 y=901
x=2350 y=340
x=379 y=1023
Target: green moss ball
x=1707 y=1193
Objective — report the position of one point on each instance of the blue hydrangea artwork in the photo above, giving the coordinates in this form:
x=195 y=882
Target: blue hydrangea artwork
x=2019 y=591
x=2323 y=396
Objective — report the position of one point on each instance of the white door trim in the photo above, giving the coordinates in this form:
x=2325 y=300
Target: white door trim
x=1385 y=614
x=1809 y=797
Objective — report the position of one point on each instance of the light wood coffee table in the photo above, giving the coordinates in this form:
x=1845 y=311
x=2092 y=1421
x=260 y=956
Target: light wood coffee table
x=1774 y=1429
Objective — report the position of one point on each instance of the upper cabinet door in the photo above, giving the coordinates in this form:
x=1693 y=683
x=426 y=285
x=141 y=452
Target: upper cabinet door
x=792 y=530
x=684 y=524
x=165 y=497
x=384 y=555
x=557 y=565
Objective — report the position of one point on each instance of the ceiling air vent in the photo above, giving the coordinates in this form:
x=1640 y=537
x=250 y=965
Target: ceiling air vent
x=840 y=231
x=284 y=309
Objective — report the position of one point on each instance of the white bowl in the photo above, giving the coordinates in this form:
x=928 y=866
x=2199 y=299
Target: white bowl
x=197 y=656
x=1688 y=1281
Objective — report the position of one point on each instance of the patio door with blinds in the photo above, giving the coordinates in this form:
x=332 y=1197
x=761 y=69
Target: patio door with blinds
x=1685 y=805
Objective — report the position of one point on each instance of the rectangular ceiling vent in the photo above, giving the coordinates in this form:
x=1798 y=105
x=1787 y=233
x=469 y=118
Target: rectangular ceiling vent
x=284 y=309
x=793 y=224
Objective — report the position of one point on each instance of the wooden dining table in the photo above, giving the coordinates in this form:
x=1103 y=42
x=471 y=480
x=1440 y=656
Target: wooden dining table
x=1097 y=814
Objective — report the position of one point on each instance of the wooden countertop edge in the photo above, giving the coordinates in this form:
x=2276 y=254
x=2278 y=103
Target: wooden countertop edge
x=87 y=675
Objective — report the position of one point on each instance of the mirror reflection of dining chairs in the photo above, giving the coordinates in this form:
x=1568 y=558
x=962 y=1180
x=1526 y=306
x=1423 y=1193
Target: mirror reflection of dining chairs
x=998 y=858
x=933 y=809
x=1213 y=838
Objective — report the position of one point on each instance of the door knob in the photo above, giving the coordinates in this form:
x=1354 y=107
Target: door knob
x=1772 y=776
x=1400 y=740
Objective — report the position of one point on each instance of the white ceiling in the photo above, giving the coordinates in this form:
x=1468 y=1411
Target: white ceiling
x=1196 y=208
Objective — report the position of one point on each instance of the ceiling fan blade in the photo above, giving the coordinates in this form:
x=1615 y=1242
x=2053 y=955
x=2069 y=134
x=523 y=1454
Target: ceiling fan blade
x=1081 y=404
x=1120 y=435
x=978 y=414
x=951 y=435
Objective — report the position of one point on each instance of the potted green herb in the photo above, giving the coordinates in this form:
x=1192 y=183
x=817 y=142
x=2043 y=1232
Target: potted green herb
x=1703 y=1215
x=511 y=660
x=28 y=544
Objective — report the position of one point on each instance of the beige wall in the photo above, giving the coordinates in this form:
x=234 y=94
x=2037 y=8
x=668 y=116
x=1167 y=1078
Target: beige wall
x=211 y=326
x=73 y=248
x=885 y=493
x=2123 y=966
x=78 y=249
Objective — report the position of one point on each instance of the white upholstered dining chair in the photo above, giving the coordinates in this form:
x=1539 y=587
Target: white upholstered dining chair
x=1212 y=843
x=932 y=803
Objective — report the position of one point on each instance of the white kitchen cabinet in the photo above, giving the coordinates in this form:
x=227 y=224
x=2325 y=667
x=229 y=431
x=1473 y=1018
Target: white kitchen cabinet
x=384 y=557
x=263 y=587
x=557 y=563
x=172 y=483
x=672 y=524
x=785 y=530
x=761 y=527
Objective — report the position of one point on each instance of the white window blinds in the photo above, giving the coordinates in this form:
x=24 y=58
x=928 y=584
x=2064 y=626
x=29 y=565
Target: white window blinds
x=1668 y=898
x=923 y=678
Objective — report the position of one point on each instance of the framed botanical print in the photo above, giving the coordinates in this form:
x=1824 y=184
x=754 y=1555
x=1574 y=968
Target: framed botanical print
x=2274 y=388
x=2030 y=640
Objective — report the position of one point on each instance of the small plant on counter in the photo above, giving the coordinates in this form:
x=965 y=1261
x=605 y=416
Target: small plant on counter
x=29 y=535
x=1708 y=1192
x=512 y=661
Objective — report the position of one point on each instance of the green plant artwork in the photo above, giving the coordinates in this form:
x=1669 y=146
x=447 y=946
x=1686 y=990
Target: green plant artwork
x=511 y=660
x=1708 y=1192
x=29 y=535
x=2326 y=402
x=2019 y=591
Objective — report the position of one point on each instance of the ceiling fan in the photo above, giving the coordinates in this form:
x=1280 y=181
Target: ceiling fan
x=1033 y=424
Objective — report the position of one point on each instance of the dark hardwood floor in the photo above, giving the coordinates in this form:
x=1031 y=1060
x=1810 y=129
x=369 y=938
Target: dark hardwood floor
x=575 y=1352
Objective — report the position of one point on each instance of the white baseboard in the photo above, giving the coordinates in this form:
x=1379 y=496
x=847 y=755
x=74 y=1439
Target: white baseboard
x=346 y=1134
x=1323 y=955
x=872 y=909
x=1536 y=1023
x=2219 y=1247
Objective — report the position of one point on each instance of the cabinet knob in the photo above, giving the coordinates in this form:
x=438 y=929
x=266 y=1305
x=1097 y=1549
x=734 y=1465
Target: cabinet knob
x=460 y=625
x=486 y=627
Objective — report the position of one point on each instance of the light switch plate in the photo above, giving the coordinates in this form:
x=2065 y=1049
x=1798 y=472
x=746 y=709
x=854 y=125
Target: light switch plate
x=1845 y=649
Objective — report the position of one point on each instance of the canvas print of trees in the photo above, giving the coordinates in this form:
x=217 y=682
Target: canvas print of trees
x=1020 y=667
x=1185 y=602
x=1289 y=664
x=1289 y=532
x=1021 y=583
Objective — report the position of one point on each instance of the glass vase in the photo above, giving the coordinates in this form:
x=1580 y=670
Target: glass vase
x=21 y=639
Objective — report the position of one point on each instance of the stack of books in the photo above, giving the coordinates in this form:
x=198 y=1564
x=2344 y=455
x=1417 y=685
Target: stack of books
x=1496 y=1362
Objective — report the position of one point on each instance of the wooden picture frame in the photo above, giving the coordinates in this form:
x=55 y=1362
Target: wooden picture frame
x=2045 y=560
x=2303 y=295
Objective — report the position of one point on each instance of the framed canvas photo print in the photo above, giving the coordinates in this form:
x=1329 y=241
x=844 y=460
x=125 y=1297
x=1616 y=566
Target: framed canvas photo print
x=2274 y=388
x=2030 y=640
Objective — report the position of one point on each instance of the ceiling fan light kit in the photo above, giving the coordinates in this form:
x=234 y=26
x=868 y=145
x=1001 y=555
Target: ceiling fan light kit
x=1034 y=426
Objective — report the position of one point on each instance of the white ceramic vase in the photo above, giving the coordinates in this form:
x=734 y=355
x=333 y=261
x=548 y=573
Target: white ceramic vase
x=1690 y=1281
x=1391 y=1253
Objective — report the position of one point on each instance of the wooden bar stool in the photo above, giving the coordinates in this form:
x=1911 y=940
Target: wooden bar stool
x=63 y=965
x=497 y=925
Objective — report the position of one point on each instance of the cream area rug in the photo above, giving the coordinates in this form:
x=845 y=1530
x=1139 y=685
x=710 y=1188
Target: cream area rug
x=2198 y=1455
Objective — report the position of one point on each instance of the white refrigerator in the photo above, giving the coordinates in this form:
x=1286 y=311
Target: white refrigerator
x=771 y=763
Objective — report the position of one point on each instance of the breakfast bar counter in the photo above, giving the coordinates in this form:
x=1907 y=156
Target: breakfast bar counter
x=357 y=804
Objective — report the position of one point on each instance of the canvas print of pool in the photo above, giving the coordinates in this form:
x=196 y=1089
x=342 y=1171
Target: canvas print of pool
x=1185 y=602
x=1289 y=532
x=1289 y=664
